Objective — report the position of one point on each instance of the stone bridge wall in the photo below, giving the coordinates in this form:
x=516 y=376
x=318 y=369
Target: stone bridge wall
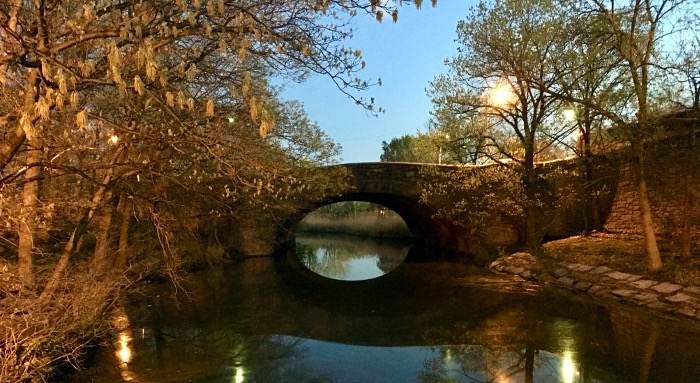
x=395 y=178
x=673 y=167
x=673 y=175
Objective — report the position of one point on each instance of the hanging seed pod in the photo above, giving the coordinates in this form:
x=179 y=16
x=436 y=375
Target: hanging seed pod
x=210 y=108
x=169 y=99
x=138 y=85
x=81 y=119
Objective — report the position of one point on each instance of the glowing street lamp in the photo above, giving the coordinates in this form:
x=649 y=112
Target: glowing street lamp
x=501 y=94
x=570 y=114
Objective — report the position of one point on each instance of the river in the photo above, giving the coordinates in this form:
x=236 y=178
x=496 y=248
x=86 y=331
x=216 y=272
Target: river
x=274 y=320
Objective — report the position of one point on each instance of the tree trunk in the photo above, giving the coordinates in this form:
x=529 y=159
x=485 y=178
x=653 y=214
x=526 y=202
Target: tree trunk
x=529 y=364
x=62 y=264
x=27 y=226
x=15 y=138
x=103 y=222
x=77 y=234
x=652 y=248
x=532 y=238
x=123 y=252
x=10 y=146
x=591 y=215
x=689 y=192
x=30 y=191
x=649 y=348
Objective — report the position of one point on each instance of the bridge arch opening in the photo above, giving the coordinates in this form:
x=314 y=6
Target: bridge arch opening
x=435 y=239
x=358 y=218
x=352 y=241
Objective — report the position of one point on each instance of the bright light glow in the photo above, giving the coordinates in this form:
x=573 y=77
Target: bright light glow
x=124 y=352
x=577 y=136
x=230 y=120
x=239 y=375
x=502 y=377
x=501 y=95
x=114 y=139
x=568 y=370
x=448 y=355
x=569 y=114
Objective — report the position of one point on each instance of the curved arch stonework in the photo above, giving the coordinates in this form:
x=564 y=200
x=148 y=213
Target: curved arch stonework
x=397 y=186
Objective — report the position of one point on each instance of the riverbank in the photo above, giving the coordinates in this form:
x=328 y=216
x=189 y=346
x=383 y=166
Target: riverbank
x=613 y=267
x=386 y=224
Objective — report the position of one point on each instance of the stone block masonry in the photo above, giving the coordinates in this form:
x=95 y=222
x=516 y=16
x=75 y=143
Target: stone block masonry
x=673 y=176
x=673 y=171
x=670 y=298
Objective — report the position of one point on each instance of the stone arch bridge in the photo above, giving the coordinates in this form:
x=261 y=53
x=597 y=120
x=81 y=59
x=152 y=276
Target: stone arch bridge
x=396 y=185
x=672 y=165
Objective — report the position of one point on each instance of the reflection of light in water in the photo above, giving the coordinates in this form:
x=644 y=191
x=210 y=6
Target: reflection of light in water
x=124 y=353
x=448 y=355
x=502 y=377
x=568 y=370
x=239 y=375
x=450 y=365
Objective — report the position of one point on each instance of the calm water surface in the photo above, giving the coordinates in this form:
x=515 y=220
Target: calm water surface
x=350 y=258
x=273 y=320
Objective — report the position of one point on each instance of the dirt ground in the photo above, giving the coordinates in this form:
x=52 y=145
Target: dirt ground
x=627 y=255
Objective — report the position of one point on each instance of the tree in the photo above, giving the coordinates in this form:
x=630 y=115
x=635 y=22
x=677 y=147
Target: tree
x=409 y=148
x=589 y=72
x=158 y=109
x=508 y=49
x=683 y=63
x=190 y=56
x=633 y=32
x=462 y=135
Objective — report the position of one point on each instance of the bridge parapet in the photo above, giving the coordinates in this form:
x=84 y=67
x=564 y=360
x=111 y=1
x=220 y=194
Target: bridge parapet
x=396 y=178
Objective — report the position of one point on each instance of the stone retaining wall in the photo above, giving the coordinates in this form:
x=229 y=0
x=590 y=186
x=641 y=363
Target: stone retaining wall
x=673 y=177
x=605 y=282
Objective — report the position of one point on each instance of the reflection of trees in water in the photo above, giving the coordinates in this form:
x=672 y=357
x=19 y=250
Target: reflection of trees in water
x=329 y=262
x=331 y=255
x=479 y=364
x=219 y=355
x=388 y=262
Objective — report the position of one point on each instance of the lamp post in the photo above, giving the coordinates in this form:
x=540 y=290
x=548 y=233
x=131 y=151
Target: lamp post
x=447 y=137
x=571 y=116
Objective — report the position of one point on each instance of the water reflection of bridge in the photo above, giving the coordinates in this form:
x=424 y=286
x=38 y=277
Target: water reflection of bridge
x=418 y=305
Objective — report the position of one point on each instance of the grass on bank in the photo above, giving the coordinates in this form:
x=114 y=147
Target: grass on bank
x=627 y=255
x=370 y=224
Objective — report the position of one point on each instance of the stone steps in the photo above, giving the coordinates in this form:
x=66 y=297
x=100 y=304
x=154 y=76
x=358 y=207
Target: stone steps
x=605 y=282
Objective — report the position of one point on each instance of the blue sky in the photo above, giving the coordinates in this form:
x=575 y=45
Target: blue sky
x=406 y=56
